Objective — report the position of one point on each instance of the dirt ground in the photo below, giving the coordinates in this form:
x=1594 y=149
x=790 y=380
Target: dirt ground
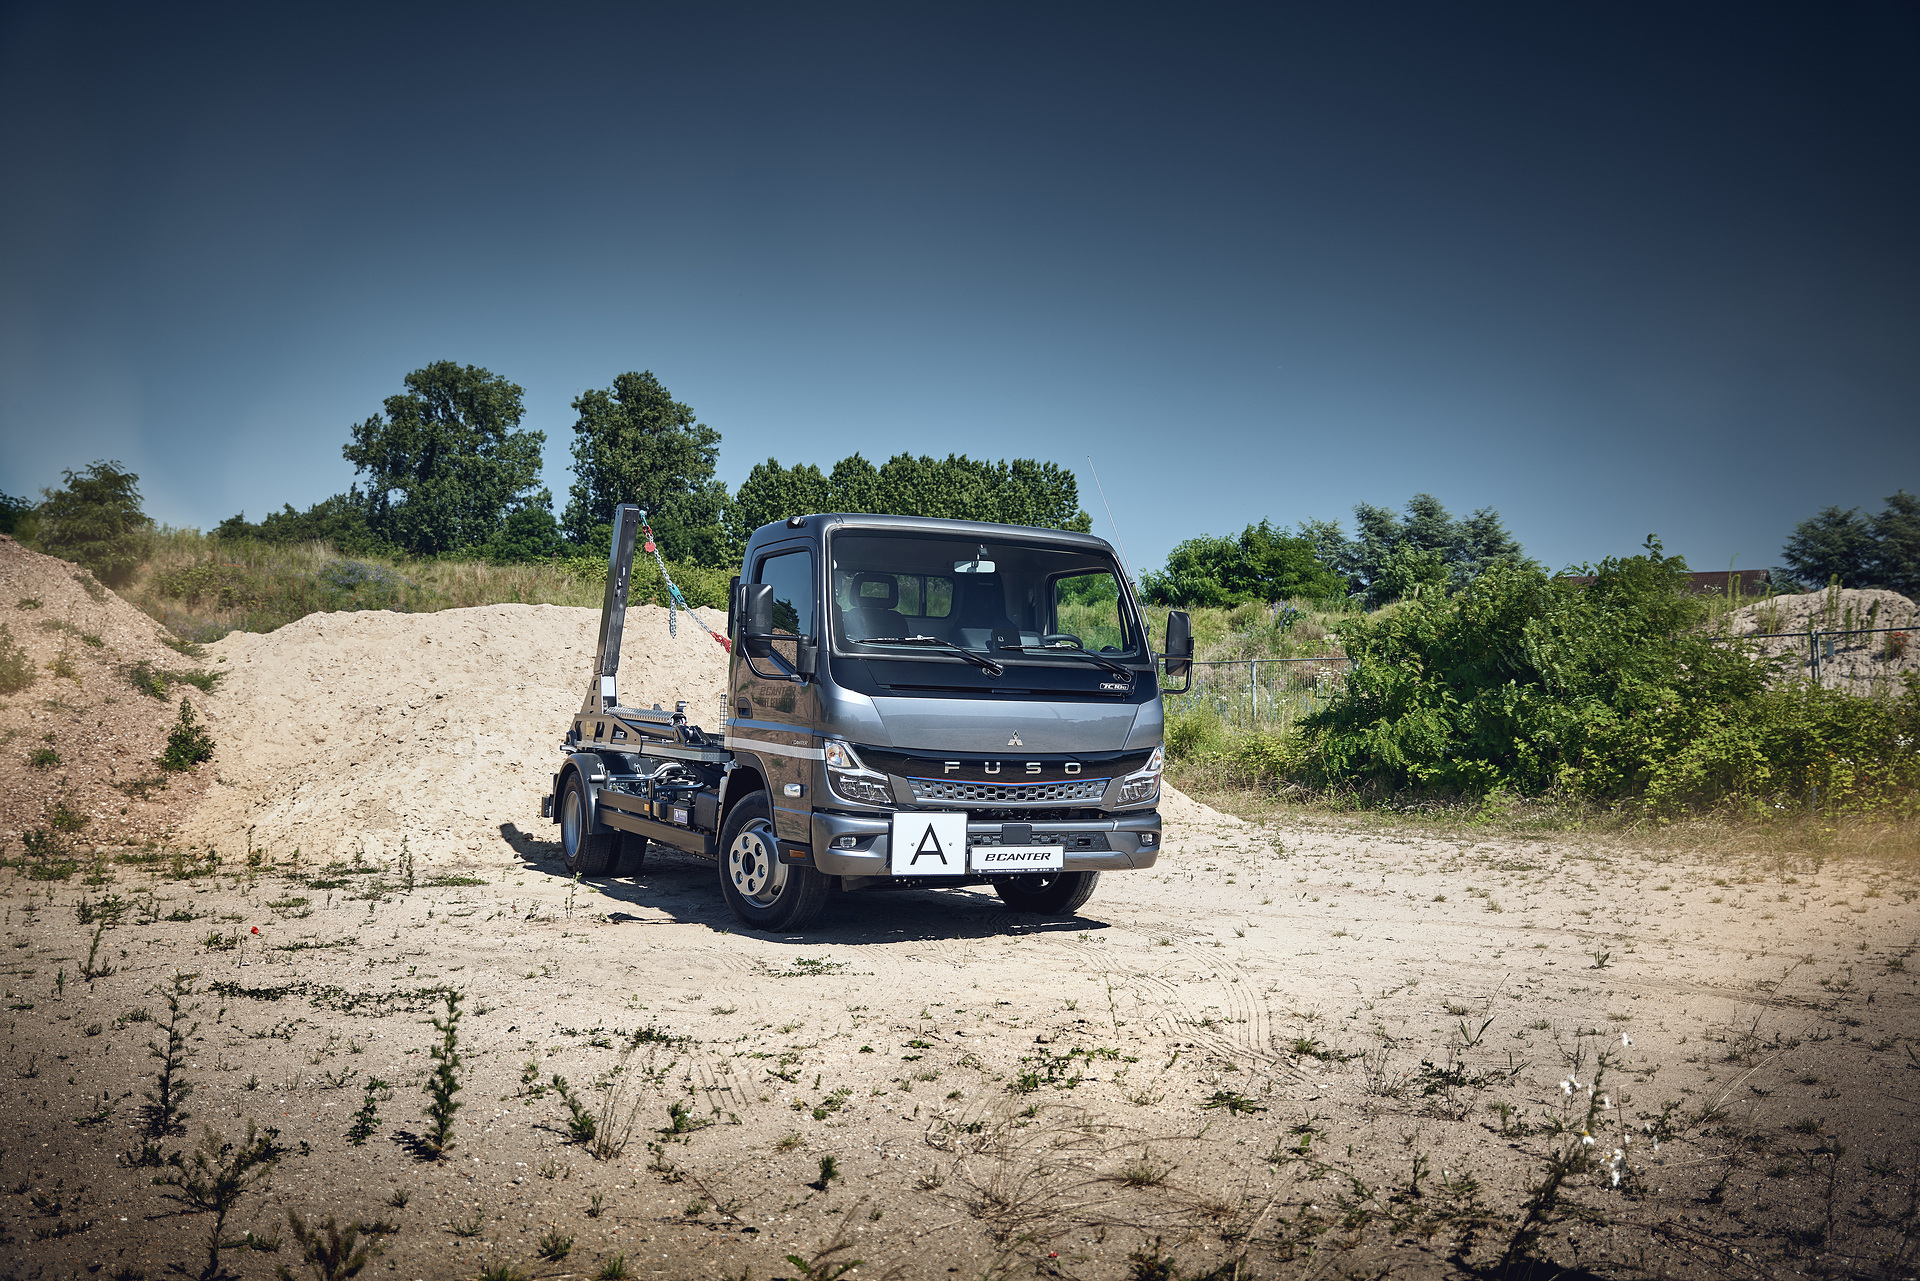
x=1292 y=1049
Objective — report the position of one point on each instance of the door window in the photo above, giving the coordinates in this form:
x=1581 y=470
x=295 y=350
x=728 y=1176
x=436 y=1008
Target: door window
x=790 y=574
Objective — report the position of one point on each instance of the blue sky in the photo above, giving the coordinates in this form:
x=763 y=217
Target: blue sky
x=1611 y=269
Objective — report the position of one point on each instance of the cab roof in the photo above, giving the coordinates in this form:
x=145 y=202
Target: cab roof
x=818 y=524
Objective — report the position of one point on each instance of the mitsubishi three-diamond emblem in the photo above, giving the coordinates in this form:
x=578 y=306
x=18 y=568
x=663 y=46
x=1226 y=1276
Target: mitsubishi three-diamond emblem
x=1014 y=741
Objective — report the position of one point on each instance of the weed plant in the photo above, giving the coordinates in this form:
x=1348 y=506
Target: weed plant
x=334 y=1254
x=367 y=1120
x=443 y=1081
x=214 y=1179
x=16 y=669
x=164 y=1113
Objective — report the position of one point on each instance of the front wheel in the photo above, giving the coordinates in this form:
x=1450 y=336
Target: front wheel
x=1049 y=893
x=763 y=892
x=586 y=853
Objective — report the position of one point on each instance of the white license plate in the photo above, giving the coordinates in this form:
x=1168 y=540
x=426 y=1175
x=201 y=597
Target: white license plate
x=928 y=844
x=1017 y=858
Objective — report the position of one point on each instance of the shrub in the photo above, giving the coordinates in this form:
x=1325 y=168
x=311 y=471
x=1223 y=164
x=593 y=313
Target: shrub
x=188 y=744
x=16 y=669
x=1527 y=684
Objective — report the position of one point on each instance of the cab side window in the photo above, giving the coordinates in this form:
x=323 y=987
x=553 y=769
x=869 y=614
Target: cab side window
x=790 y=574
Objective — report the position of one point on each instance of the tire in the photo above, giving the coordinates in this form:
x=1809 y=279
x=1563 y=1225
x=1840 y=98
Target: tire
x=632 y=859
x=764 y=893
x=1048 y=893
x=584 y=852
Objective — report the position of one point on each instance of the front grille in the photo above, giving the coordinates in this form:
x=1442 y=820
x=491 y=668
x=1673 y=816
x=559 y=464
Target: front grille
x=940 y=789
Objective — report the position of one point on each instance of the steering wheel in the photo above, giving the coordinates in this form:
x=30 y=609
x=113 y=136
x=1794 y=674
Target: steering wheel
x=1062 y=636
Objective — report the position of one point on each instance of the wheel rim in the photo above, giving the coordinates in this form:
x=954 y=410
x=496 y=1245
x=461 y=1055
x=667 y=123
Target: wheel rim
x=571 y=821
x=756 y=872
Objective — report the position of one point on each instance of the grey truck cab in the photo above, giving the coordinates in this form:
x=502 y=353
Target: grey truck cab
x=910 y=703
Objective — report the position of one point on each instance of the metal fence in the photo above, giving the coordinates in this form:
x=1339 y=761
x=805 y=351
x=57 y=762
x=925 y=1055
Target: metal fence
x=1269 y=691
x=1862 y=660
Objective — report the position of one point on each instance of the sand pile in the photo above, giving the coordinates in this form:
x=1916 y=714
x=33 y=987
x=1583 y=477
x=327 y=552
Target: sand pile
x=345 y=732
x=1829 y=609
x=82 y=644
x=1866 y=662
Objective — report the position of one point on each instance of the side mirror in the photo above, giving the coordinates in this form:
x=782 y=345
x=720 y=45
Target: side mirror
x=756 y=603
x=733 y=606
x=1179 y=652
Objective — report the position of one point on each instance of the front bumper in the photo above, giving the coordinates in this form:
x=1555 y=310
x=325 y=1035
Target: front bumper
x=1122 y=834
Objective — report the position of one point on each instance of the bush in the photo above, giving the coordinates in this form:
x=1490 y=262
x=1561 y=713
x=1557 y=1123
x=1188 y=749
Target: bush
x=16 y=669
x=1527 y=684
x=96 y=521
x=704 y=587
x=188 y=744
x=1263 y=563
x=14 y=513
x=340 y=521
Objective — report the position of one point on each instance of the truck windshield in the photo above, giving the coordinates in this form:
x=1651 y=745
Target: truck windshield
x=989 y=598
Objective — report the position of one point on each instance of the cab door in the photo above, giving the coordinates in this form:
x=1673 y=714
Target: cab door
x=776 y=716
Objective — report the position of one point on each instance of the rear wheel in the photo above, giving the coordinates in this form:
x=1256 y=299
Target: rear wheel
x=763 y=892
x=632 y=859
x=585 y=853
x=1049 y=893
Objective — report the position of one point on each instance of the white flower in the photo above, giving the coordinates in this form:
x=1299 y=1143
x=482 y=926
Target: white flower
x=1566 y=1088
x=1606 y=1102
x=1625 y=1039
x=1586 y=1140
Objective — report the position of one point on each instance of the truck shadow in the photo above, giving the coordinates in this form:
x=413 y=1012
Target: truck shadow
x=687 y=890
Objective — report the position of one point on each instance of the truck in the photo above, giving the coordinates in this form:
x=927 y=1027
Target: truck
x=911 y=703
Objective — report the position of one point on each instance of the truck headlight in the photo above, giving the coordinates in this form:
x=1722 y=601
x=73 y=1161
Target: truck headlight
x=851 y=780
x=1144 y=785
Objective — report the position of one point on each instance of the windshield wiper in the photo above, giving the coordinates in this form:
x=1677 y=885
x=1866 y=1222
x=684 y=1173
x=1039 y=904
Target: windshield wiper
x=991 y=668
x=1076 y=652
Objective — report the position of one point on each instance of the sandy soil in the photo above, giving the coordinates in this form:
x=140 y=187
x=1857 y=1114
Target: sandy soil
x=1866 y=662
x=351 y=731
x=89 y=713
x=1293 y=1048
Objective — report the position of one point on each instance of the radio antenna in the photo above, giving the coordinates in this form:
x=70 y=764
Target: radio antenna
x=1116 y=529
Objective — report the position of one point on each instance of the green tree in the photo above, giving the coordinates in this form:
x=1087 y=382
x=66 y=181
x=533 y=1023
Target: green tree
x=774 y=492
x=1021 y=492
x=96 y=521
x=1831 y=544
x=634 y=443
x=529 y=534
x=13 y=512
x=1393 y=556
x=340 y=520
x=1896 y=552
x=446 y=463
x=1265 y=563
